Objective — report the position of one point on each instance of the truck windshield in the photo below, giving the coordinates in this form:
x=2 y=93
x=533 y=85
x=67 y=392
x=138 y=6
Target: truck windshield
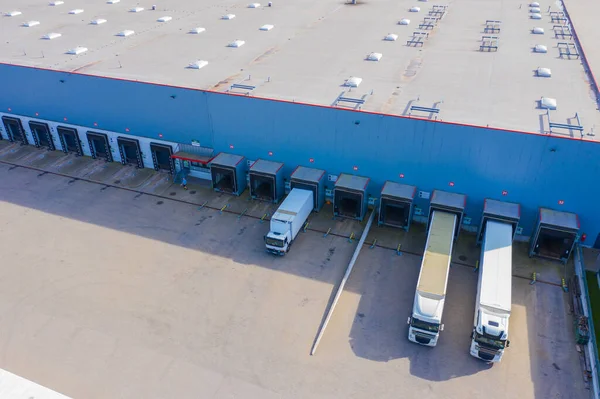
x=423 y=325
x=489 y=342
x=274 y=242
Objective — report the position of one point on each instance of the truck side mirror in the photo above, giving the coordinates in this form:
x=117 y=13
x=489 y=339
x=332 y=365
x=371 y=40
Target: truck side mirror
x=472 y=334
x=441 y=327
x=507 y=343
x=408 y=320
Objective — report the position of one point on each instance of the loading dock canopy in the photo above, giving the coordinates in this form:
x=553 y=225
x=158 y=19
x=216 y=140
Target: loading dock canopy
x=308 y=174
x=266 y=180
x=444 y=200
x=555 y=235
x=561 y=220
x=266 y=167
x=188 y=156
x=396 y=190
x=395 y=205
x=349 y=196
x=227 y=160
x=310 y=179
x=449 y=202
x=507 y=212
x=228 y=173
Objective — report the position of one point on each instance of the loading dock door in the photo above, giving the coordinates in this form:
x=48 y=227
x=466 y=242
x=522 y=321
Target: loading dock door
x=262 y=187
x=99 y=146
x=42 y=135
x=396 y=204
x=130 y=151
x=161 y=157
x=506 y=212
x=555 y=235
x=14 y=129
x=448 y=202
x=69 y=139
x=223 y=179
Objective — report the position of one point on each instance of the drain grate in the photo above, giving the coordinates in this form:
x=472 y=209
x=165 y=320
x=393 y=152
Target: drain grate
x=462 y=258
x=159 y=203
x=172 y=193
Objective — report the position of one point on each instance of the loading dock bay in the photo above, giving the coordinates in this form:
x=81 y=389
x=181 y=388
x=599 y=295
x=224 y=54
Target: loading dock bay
x=189 y=305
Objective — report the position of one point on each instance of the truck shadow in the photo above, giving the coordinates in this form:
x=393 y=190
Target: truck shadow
x=379 y=331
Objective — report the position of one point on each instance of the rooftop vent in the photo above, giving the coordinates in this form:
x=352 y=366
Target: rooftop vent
x=254 y=5
x=29 y=24
x=266 y=27
x=198 y=64
x=534 y=4
x=535 y=10
x=540 y=48
x=544 y=72
x=536 y=16
x=197 y=30
x=392 y=37
x=353 y=81
x=537 y=31
x=98 y=21
x=548 y=103
x=50 y=36
x=56 y=3
x=76 y=11
x=228 y=16
x=374 y=56
x=136 y=9
x=77 y=50
x=236 y=43
x=13 y=13
x=415 y=9
x=125 y=33
x=404 y=21
x=113 y=1
x=164 y=19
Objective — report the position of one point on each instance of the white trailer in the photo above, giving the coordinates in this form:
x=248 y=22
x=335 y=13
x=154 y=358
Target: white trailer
x=493 y=305
x=288 y=220
x=425 y=323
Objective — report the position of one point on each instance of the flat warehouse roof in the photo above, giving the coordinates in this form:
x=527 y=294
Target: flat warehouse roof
x=308 y=51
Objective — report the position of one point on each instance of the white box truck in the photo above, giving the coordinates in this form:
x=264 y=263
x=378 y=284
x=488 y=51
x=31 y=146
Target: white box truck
x=425 y=323
x=492 y=308
x=288 y=220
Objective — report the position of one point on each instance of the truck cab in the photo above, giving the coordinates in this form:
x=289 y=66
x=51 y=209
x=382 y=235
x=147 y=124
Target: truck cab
x=425 y=322
x=278 y=240
x=490 y=336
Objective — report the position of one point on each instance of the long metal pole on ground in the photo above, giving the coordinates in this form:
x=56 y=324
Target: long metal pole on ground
x=342 y=284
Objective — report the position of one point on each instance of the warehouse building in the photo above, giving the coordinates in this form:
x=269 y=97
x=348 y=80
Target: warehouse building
x=489 y=100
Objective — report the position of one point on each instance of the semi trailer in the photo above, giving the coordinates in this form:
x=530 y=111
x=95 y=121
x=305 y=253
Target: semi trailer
x=425 y=323
x=288 y=220
x=489 y=338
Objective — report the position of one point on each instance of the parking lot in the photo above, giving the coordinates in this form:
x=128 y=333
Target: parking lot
x=126 y=290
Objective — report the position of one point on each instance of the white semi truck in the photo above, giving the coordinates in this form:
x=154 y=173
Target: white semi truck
x=288 y=220
x=493 y=305
x=425 y=323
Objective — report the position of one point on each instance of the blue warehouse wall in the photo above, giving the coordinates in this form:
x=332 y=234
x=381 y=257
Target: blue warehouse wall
x=535 y=170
